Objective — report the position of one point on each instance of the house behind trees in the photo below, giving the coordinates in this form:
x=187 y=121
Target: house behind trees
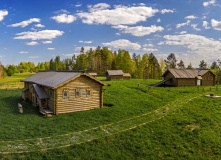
x=189 y=77
x=63 y=91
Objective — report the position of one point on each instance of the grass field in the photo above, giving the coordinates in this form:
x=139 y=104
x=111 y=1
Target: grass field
x=135 y=123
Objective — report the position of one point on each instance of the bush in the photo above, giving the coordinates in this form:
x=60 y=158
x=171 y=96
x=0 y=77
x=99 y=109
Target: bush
x=10 y=72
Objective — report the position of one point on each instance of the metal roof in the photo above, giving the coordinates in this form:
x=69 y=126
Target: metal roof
x=186 y=73
x=115 y=72
x=40 y=92
x=127 y=75
x=51 y=78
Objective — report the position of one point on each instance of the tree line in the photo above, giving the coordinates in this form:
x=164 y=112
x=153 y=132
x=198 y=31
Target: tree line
x=102 y=59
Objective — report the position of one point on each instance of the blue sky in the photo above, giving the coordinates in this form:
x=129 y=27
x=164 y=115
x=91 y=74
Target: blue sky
x=40 y=30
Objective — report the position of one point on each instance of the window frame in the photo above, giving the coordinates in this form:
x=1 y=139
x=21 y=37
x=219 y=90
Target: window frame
x=77 y=90
x=65 y=91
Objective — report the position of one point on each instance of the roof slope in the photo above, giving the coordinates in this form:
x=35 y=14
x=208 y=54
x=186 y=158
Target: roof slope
x=127 y=75
x=115 y=72
x=186 y=73
x=40 y=92
x=53 y=79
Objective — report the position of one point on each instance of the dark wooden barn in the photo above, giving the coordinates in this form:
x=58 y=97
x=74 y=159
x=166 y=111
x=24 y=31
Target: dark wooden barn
x=117 y=75
x=189 y=77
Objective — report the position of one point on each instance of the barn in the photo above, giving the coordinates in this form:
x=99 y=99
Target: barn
x=117 y=75
x=189 y=77
x=59 y=92
x=93 y=74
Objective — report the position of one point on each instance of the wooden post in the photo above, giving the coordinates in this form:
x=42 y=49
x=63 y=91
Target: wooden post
x=137 y=84
x=101 y=97
x=56 y=100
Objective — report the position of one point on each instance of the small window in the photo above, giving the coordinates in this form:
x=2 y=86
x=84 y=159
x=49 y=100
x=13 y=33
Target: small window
x=51 y=93
x=88 y=92
x=66 y=93
x=77 y=93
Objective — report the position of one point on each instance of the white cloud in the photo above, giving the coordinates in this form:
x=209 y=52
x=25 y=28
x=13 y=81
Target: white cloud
x=70 y=55
x=191 y=17
x=78 y=5
x=25 y=23
x=205 y=25
x=212 y=2
x=118 y=15
x=123 y=44
x=99 y=6
x=158 y=20
x=39 y=25
x=149 y=49
x=86 y=48
x=142 y=4
x=194 y=26
x=23 y=52
x=44 y=34
x=33 y=57
x=47 y=42
x=117 y=34
x=204 y=17
x=216 y=24
x=139 y=30
x=51 y=48
x=33 y=43
x=183 y=32
x=3 y=13
x=148 y=45
x=85 y=41
x=167 y=11
x=183 y=24
x=64 y=18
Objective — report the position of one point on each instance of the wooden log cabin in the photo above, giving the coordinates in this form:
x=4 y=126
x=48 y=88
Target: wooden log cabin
x=59 y=92
x=189 y=77
x=117 y=75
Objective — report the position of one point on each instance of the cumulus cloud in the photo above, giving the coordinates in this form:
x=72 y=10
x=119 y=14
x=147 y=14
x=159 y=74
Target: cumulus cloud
x=139 y=30
x=33 y=43
x=3 y=13
x=100 y=14
x=64 y=18
x=44 y=34
x=158 y=20
x=23 y=52
x=183 y=24
x=39 y=25
x=216 y=24
x=205 y=25
x=25 y=23
x=85 y=41
x=78 y=5
x=194 y=26
x=148 y=45
x=149 y=49
x=123 y=44
x=212 y=2
x=167 y=11
x=47 y=42
x=207 y=48
x=183 y=32
x=191 y=17
x=51 y=48
x=33 y=57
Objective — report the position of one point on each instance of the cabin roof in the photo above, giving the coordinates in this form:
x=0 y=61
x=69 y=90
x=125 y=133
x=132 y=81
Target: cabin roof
x=115 y=72
x=93 y=74
x=53 y=79
x=40 y=92
x=127 y=75
x=186 y=73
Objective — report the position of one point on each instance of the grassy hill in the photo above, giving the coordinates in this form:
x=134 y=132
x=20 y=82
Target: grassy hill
x=135 y=123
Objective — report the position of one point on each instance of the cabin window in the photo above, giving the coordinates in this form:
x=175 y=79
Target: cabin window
x=88 y=92
x=51 y=93
x=66 y=93
x=77 y=93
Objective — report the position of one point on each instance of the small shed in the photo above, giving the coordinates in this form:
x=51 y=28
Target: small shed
x=189 y=77
x=63 y=91
x=93 y=74
x=69 y=67
x=114 y=75
x=126 y=76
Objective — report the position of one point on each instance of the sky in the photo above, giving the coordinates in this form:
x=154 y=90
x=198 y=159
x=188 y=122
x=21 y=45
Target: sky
x=37 y=31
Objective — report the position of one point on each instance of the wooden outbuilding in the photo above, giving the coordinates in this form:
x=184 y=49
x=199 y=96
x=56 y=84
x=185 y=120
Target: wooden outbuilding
x=63 y=91
x=189 y=77
x=114 y=75
x=93 y=74
x=126 y=76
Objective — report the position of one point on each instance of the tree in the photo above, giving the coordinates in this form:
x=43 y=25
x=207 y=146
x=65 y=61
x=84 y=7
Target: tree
x=203 y=65
x=1 y=70
x=190 y=66
x=181 y=65
x=162 y=66
x=145 y=66
x=171 y=61
x=214 y=66
x=154 y=66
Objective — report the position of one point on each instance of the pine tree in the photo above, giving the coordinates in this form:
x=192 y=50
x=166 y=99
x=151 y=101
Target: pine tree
x=181 y=65
x=171 y=61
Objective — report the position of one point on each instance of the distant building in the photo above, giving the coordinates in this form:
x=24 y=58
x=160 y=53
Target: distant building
x=117 y=75
x=189 y=77
x=69 y=67
x=93 y=74
x=63 y=91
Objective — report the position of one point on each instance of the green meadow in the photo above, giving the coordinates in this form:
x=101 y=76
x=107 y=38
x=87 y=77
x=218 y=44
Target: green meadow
x=135 y=123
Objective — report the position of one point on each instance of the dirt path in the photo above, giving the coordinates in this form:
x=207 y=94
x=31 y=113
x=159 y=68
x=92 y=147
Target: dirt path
x=29 y=145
